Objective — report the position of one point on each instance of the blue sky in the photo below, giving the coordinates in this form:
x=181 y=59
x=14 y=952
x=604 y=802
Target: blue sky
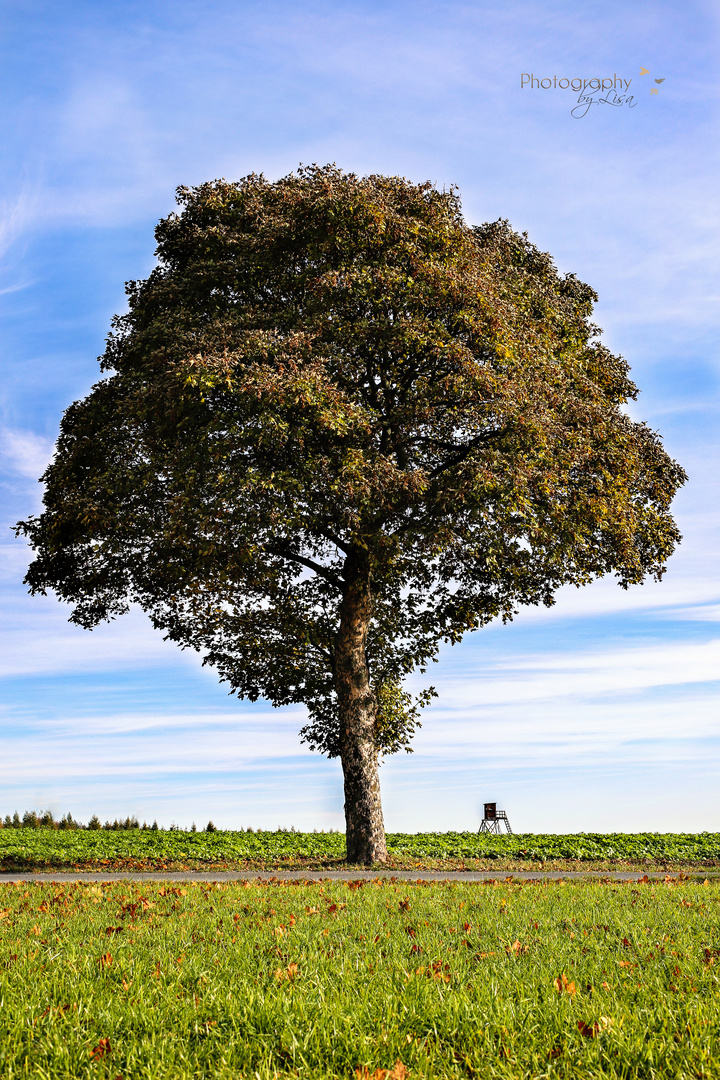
x=601 y=713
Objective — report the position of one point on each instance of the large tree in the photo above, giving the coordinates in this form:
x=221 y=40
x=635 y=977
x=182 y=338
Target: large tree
x=338 y=426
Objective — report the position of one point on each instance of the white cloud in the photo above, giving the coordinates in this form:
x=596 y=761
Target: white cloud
x=25 y=453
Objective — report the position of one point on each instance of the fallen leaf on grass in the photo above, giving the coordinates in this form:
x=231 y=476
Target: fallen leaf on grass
x=4 y=913
x=563 y=984
x=288 y=974
x=516 y=949
x=404 y=905
x=105 y=960
x=102 y=1049
x=588 y=1031
x=398 y=1072
x=435 y=970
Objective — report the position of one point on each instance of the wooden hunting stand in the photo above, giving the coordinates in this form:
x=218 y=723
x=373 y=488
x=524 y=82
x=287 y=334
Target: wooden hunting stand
x=492 y=818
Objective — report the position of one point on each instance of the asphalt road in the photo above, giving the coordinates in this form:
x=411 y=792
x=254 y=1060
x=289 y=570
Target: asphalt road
x=356 y=875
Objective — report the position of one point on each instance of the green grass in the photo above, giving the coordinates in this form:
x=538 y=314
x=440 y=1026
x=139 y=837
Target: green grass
x=138 y=849
x=317 y=981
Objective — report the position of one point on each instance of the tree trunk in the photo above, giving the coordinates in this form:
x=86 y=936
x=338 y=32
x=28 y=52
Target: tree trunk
x=357 y=704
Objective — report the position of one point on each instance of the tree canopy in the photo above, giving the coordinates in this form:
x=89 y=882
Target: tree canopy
x=337 y=426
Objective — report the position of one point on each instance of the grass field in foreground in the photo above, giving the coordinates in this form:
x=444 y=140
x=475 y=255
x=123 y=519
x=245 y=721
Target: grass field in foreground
x=135 y=849
x=371 y=980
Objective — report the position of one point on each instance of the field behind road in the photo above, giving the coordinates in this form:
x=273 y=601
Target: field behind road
x=149 y=849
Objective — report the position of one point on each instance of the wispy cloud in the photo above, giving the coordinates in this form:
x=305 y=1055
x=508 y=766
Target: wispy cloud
x=25 y=453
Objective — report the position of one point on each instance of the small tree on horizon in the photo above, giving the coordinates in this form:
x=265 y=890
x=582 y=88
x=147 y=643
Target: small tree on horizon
x=336 y=427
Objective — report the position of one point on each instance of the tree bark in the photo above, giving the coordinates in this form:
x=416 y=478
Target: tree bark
x=357 y=704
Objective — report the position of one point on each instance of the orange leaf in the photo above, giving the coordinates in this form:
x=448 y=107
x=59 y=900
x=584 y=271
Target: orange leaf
x=562 y=983
x=102 y=1049
x=398 y=1072
x=105 y=960
x=404 y=905
x=288 y=975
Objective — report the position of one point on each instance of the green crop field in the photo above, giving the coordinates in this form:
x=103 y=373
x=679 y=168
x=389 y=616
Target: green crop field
x=46 y=849
x=377 y=981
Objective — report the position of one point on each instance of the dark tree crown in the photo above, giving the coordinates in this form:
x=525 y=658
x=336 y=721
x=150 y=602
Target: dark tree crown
x=327 y=377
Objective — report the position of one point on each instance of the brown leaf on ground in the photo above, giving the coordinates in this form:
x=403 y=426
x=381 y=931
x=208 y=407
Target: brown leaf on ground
x=588 y=1031
x=288 y=974
x=563 y=984
x=398 y=1072
x=105 y=960
x=102 y=1049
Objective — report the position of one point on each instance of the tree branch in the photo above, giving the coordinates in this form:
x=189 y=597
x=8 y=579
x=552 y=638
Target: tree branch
x=318 y=568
